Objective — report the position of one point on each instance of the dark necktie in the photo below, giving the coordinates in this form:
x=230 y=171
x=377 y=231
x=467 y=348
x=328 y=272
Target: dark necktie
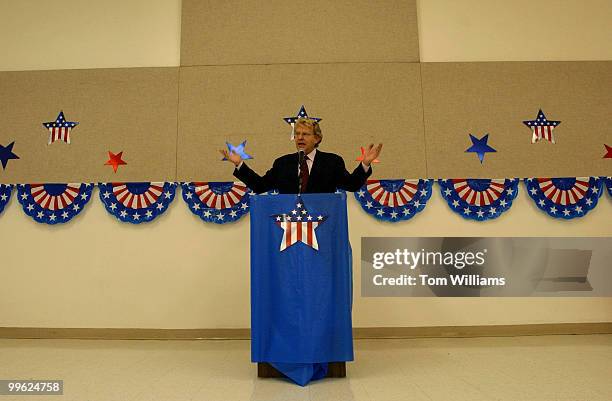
x=304 y=174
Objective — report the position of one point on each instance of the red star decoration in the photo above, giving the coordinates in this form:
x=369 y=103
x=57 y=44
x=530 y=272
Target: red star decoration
x=115 y=160
x=360 y=158
x=609 y=150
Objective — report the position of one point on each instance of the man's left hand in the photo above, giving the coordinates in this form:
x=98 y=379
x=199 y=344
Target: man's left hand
x=371 y=153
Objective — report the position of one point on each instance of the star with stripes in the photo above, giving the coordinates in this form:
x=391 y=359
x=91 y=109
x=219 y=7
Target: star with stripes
x=300 y=114
x=480 y=147
x=59 y=130
x=542 y=128
x=299 y=225
x=115 y=160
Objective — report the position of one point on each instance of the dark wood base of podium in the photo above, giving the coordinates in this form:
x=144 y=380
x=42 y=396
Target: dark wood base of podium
x=335 y=369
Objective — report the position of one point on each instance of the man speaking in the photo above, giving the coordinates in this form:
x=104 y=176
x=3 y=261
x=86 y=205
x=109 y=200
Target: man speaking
x=309 y=170
x=301 y=297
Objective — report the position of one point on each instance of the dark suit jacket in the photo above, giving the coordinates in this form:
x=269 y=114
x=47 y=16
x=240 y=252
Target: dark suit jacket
x=328 y=173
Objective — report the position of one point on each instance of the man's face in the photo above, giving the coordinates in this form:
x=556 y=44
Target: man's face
x=305 y=139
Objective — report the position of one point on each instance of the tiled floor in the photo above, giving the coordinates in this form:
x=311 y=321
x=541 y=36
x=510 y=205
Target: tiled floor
x=547 y=368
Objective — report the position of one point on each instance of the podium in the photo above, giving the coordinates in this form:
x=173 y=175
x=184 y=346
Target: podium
x=301 y=286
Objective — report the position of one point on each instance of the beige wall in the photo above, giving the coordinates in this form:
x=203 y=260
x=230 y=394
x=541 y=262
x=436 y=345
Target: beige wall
x=178 y=272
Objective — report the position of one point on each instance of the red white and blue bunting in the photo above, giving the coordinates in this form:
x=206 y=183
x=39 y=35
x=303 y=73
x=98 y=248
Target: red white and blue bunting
x=608 y=183
x=477 y=198
x=53 y=203
x=217 y=202
x=394 y=200
x=386 y=200
x=137 y=202
x=565 y=198
x=5 y=195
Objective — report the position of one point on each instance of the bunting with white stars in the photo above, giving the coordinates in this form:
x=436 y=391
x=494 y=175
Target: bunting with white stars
x=53 y=203
x=478 y=198
x=394 y=200
x=217 y=202
x=608 y=183
x=137 y=202
x=565 y=198
x=5 y=195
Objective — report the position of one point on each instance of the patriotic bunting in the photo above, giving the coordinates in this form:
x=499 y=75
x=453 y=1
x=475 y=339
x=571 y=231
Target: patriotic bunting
x=565 y=198
x=608 y=181
x=479 y=199
x=394 y=200
x=53 y=203
x=137 y=202
x=5 y=195
x=217 y=202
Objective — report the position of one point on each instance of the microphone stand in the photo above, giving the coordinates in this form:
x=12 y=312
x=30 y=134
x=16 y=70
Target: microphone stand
x=300 y=160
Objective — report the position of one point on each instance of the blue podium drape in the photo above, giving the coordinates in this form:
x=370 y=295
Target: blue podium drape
x=301 y=297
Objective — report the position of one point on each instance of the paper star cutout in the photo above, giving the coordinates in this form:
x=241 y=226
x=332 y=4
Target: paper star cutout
x=115 y=160
x=298 y=228
x=239 y=150
x=6 y=154
x=608 y=155
x=59 y=129
x=542 y=128
x=300 y=114
x=360 y=158
x=480 y=147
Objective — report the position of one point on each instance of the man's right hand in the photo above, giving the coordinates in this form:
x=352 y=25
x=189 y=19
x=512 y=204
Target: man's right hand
x=231 y=156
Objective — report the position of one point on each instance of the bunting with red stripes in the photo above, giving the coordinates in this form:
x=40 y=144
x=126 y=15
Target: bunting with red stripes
x=565 y=198
x=217 y=202
x=394 y=200
x=53 y=203
x=137 y=202
x=478 y=198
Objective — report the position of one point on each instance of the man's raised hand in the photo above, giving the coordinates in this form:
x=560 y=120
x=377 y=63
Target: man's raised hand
x=231 y=156
x=371 y=153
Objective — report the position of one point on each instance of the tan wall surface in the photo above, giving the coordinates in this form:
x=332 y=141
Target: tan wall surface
x=178 y=272
x=359 y=104
x=216 y=32
x=131 y=110
x=495 y=98
x=516 y=30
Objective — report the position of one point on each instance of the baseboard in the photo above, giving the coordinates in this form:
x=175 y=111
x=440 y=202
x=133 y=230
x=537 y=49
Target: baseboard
x=358 y=332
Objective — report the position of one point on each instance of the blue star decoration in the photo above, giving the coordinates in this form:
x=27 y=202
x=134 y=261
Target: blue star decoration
x=6 y=154
x=480 y=147
x=299 y=225
x=541 y=128
x=60 y=128
x=239 y=150
x=300 y=114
